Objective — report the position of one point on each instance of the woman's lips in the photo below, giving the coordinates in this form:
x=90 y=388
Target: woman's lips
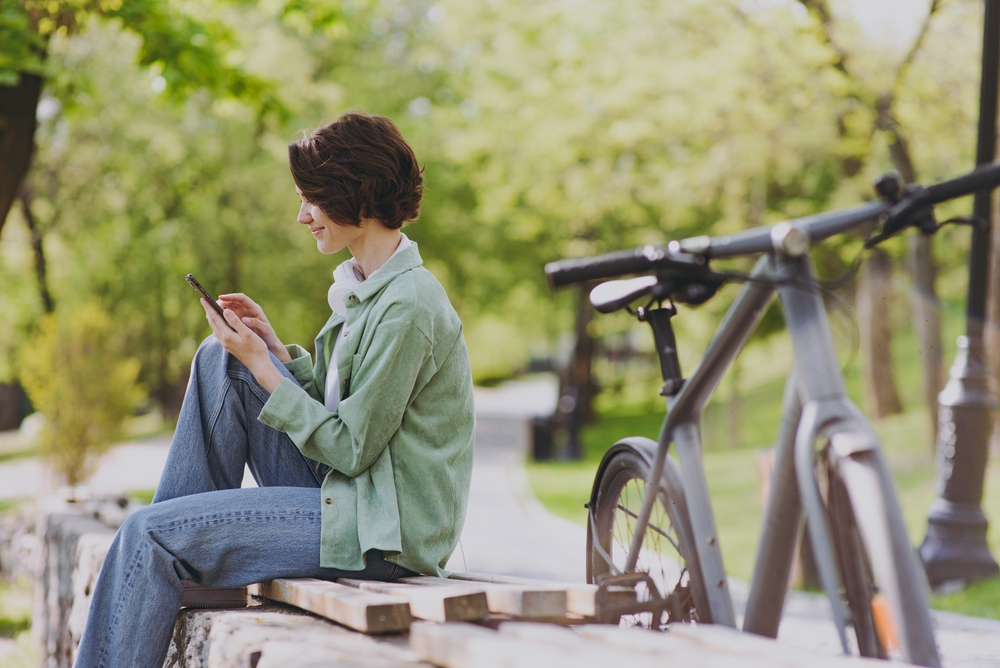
x=316 y=231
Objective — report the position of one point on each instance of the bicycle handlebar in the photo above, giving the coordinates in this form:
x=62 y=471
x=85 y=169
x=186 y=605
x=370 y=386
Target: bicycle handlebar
x=686 y=257
x=635 y=261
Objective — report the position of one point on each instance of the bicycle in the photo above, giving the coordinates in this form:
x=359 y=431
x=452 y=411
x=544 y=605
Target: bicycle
x=842 y=488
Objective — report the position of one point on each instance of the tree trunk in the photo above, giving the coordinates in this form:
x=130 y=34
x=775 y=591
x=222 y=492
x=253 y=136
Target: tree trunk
x=924 y=308
x=926 y=317
x=874 y=307
x=38 y=247
x=17 y=136
x=581 y=380
x=993 y=317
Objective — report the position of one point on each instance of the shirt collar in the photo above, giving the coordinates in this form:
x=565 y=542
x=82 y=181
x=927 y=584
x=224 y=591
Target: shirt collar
x=403 y=260
x=347 y=277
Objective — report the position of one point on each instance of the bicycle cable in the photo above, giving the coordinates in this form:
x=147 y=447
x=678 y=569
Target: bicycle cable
x=825 y=288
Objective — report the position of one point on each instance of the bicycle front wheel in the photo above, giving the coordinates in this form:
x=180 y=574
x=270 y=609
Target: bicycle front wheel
x=668 y=553
x=882 y=582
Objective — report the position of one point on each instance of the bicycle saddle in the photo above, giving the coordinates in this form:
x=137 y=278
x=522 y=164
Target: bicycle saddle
x=612 y=296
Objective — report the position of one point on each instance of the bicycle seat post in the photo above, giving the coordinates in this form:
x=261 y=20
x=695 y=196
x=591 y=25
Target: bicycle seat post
x=666 y=346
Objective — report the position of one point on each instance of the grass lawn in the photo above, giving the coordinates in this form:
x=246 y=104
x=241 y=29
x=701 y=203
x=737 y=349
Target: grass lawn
x=15 y=624
x=732 y=469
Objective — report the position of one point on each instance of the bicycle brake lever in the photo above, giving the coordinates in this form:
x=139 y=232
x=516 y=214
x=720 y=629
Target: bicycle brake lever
x=910 y=210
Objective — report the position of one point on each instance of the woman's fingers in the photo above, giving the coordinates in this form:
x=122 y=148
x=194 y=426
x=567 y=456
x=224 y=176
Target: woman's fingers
x=258 y=326
x=239 y=298
x=236 y=323
x=238 y=339
x=218 y=329
x=242 y=305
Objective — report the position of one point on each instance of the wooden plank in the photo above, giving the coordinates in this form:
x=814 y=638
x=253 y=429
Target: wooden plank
x=363 y=611
x=687 y=646
x=518 y=600
x=580 y=598
x=468 y=646
x=455 y=603
x=611 y=654
x=679 y=651
x=724 y=639
x=494 y=620
x=318 y=653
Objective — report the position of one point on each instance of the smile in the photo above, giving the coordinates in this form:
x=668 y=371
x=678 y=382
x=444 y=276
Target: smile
x=316 y=230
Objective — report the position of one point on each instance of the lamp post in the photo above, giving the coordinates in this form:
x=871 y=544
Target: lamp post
x=955 y=548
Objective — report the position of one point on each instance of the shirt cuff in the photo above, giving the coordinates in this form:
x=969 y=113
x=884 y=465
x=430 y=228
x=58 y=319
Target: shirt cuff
x=301 y=363
x=280 y=409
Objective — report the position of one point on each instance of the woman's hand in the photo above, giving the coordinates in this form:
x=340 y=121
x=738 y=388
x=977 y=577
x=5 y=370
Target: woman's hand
x=253 y=317
x=245 y=344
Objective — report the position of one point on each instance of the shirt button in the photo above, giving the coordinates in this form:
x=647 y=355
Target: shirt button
x=329 y=501
x=345 y=383
x=350 y=298
x=345 y=332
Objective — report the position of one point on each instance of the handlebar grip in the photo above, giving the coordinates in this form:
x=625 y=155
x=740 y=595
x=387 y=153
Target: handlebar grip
x=985 y=177
x=583 y=269
x=635 y=261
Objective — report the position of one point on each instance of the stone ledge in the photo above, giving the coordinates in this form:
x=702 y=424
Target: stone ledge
x=273 y=636
x=71 y=550
x=68 y=549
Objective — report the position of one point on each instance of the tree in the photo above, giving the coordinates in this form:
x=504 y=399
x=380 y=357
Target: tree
x=191 y=54
x=593 y=127
x=870 y=107
x=134 y=190
x=76 y=375
x=108 y=194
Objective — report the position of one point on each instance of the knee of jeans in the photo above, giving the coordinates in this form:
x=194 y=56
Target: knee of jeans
x=137 y=524
x=210 y=346
x=209 y=354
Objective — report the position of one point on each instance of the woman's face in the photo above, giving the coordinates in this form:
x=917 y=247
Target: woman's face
x=330 y=237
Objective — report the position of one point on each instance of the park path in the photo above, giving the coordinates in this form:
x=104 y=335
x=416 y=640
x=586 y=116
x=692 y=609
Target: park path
x=507 y=531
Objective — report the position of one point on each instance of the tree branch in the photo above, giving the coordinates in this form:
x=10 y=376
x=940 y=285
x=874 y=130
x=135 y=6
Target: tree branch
x=41 y=272
x=904 y=65
x=821 y=11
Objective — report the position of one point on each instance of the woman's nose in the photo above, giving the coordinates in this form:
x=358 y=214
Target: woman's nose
x=304 y=216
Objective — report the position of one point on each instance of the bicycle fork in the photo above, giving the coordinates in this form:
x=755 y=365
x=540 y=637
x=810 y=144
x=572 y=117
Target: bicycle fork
x=816 y=408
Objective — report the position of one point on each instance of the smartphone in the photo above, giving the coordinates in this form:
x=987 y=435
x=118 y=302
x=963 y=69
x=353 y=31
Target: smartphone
x=193 y=282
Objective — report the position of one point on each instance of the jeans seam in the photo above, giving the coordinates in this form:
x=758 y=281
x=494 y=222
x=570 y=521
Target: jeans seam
x=240 y=517
x=113 y=622
x=217 y=414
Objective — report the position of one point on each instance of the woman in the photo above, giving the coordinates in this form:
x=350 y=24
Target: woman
x=363 y=458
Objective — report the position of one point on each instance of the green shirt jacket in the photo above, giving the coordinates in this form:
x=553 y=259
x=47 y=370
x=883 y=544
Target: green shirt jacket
x=400 y=444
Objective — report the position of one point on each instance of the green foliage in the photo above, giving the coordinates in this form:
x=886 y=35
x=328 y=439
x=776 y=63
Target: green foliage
x=546 y=129
x=74 y=371
x=16 y=603
x=134 y=198
x=21 y=48
x=190 y=52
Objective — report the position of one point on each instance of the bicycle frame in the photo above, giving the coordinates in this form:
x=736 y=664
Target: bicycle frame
x=815 y=407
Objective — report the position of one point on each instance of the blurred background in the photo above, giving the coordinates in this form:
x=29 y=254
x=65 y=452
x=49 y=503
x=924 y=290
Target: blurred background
x=548 y=130
x=145 y=140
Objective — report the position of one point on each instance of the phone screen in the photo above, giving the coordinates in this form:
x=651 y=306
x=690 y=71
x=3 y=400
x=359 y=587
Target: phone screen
x=193 y=282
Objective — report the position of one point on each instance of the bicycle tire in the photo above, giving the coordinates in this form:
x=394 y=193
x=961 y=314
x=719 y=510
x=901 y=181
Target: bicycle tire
x=876 y=560
x=668 y=553
x=853 y=563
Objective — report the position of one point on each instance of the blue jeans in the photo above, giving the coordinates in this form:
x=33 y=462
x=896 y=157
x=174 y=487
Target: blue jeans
x=202 y=527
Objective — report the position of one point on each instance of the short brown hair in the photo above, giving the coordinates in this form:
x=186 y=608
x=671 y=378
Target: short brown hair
x=358 y=167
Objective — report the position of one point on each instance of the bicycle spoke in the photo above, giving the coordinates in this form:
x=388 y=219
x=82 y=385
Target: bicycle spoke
x=653 y=527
